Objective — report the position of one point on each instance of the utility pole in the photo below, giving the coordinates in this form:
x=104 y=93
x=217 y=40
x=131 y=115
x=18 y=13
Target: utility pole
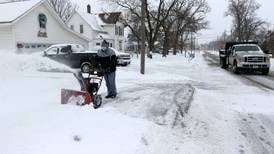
x=143 y=38
x=194 y=43
x=191 y=42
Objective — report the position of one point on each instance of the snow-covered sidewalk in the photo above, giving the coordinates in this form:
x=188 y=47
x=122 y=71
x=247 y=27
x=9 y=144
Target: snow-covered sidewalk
x=148 y=116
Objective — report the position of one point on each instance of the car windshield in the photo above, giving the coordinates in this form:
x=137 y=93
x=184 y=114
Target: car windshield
x=247 y=48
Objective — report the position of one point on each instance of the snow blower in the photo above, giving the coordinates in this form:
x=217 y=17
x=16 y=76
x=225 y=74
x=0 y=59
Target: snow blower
x=90 y=86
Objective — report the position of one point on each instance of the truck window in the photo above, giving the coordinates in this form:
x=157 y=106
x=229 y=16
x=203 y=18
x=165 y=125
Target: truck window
x=52 y=51
x=65 y=50
x=247 y=48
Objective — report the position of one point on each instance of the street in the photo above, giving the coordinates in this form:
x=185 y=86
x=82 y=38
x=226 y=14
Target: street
x=179 y=106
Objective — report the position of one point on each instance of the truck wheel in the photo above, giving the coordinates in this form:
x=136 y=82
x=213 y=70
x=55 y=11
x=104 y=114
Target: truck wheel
x=235 y=68
x=97 y=101
x=265 y=71
x=85 y=67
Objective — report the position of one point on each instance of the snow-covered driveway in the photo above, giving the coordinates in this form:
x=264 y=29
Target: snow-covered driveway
x=155 y=113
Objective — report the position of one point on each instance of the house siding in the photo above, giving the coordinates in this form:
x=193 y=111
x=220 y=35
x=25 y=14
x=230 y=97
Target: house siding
x=6 y=38
x=76 y=21
x=26 y=29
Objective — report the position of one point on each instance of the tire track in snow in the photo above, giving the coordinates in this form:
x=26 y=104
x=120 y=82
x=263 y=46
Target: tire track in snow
x=256 y=134
x=162 y=103
x=182 y=105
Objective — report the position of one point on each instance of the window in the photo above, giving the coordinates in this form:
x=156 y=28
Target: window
x=98 y=44
x=110 y=44
x=120 y=45
x=72 y=27
x=66 y=49
x=52 y=51
x=81 y=29
x=247 y=48
x=116 y=30
x=88 y=9
x=121 y=31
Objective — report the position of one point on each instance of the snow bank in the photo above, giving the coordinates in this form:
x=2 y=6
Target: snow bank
x=11 y=62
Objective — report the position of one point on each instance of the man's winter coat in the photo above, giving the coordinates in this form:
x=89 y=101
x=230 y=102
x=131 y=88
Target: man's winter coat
x=107 y=59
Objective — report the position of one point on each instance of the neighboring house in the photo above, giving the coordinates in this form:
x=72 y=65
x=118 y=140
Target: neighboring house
x=33 y=25
x=99 y=26
x=87 y=25
x=111 y=23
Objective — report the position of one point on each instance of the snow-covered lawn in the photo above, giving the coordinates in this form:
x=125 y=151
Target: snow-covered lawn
x=146 y=116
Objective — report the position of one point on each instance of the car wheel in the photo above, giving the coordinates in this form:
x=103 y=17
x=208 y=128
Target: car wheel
x=85 y=67
x=235 y=68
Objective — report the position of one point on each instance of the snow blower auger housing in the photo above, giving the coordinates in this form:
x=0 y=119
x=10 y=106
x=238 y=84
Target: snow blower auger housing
x=90 y=80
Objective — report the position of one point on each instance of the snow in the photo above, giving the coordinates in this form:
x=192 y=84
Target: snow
x=103 y=36
x=91 y=20
x=97 y=6
x=152 y=113
x=14 y=10
x=29 y=63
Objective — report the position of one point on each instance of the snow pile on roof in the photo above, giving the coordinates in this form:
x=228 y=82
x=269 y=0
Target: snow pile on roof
x=12 y=62
x=91 y=20
x=10 y=11
x=103 y=36
x=99 y=20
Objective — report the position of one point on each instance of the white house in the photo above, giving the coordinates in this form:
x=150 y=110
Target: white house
x=32 y=26
x=99 y=26
x=111 y=22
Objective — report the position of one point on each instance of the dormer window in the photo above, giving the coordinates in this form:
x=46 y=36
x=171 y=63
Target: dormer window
x=88 y=9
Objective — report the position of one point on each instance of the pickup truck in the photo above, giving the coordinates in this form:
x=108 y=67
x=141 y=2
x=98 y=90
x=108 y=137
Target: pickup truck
x=244 y=56
x=72 y=55
x=123 y=58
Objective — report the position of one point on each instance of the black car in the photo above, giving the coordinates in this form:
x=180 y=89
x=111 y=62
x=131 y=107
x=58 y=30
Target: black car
x=72 y=55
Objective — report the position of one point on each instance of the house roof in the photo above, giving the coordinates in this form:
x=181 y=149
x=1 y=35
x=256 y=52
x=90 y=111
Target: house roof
x=91 y=20
x=97 y=6
x=14 y=11
x=110 y=17
x=10 y=11
x=104 y=36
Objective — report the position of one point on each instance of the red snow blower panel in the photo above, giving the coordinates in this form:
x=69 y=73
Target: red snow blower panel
x=73 y=96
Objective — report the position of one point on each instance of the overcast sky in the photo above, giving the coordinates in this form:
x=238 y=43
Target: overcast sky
x=219 y=23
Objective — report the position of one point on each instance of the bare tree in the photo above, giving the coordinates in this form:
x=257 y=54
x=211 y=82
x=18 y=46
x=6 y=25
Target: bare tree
x=165 y=19
x=191 y=17
x=155 y=16
x=64 y=8
x=246 y=23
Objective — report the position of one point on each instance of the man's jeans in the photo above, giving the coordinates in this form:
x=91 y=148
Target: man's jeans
x=110 y=83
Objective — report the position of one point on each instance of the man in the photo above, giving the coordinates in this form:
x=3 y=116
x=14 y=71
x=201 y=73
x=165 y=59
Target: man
x=108 y=61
